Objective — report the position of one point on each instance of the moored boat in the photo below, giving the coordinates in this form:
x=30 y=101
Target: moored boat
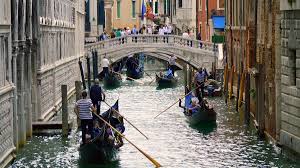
x=167 y=80
x=200 y=114
x=112 y=80
x=212 y=88
x=103 y=148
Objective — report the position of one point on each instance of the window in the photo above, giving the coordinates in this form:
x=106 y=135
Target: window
x=118 y=8
x=293 y=72
x=221 y=4
x=156 y=7
x=133 y=8
x=179 y=3
x=200 y=5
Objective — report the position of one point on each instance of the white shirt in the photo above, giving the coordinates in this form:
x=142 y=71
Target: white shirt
x=105 y=62
x=169 y=29
x=123 y=33
x=185 y=35
x=172 y=60
x=165 y=29
x=149 y=30
x=161 y=31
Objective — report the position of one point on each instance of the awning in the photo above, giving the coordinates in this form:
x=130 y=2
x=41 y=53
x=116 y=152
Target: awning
x=219 y=22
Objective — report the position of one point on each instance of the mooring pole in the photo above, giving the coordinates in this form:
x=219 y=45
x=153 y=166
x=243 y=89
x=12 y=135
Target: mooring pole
x=88 y=71
x=82 y=74
x=78 y=95
x=65 y=115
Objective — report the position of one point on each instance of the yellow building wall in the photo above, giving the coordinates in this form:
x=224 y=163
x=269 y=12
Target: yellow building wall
x=126 y=19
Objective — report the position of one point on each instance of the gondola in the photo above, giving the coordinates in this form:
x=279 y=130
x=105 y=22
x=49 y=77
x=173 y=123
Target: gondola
x=112 y=80
x=103 y=148
x=136 y=73
x=167 y=80
x=212 y=88
x=205 y=113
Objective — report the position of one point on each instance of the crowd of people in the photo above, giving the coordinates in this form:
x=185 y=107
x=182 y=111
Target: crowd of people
x=144 y=29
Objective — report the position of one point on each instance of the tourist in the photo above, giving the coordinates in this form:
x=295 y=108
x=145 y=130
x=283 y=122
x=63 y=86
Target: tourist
x=149 y=30
x=165 y=28
x=134 y=30
x=118 y=33
x=84 y=108
x=97 y=95
x=128 y=31
x=172 y=63
x=195 y=106
x=161 y=31
x=112 y=35
x=105 y=65
x=170 y=29
x=185 y=35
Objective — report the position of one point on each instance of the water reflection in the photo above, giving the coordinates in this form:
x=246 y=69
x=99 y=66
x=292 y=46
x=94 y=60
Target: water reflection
x=205 y=128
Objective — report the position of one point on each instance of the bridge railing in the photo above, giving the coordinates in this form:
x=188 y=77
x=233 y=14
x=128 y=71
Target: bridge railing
x=133 y=40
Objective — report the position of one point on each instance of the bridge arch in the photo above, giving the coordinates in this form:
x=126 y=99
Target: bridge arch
x=194 y=52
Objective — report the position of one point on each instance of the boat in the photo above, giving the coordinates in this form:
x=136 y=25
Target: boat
x=136 y=73
x=204 y=113
x=112 y=80
x=103 y=148
x=167 y=80
x=212 y=88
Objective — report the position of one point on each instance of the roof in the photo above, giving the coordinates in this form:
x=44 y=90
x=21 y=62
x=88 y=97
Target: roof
x=219 y=22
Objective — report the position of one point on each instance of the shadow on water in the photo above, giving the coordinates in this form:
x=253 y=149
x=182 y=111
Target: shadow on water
x=205 y=127
x=112 y=164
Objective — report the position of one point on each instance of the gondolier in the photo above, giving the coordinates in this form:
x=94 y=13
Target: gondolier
x=84 y=108
x=105 y=65
x=199 y=80
x=97 y=95
x=172 y=63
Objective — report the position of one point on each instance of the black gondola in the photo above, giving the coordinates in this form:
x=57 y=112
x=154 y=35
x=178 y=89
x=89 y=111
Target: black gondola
x=112 y=80
x=167 y=80
x=103 y=148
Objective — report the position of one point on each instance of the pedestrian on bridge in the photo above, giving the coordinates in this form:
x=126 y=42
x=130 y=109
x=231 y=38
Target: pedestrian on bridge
x=97 y=95
x=84 y=108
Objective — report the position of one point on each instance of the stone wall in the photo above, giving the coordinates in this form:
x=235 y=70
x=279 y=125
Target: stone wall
x=6 y=86
x=61 y=42
x=290 y=75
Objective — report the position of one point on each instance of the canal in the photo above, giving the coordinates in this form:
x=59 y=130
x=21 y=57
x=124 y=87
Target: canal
x=173 y=142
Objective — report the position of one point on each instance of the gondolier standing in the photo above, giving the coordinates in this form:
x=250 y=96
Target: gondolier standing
x=97 y=95
x=172 y=63
x=84 y=108
x=105 y=65
x=199 y=80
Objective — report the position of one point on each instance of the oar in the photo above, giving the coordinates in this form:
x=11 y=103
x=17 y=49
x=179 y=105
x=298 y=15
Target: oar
x=152 y=80
x=123 y=136
x=126 y=120
x=129 y=77
x=144 y=70
x=175 y=102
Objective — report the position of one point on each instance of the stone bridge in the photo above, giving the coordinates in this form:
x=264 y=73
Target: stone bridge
x=193 y=52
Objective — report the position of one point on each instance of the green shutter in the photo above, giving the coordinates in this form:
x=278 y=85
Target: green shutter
x=133 y=9
x=118 y=9
x=156 y=7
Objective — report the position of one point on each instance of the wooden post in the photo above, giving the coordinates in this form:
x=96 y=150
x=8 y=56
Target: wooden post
x=190 y=77
x=65 y=116
x=95 y=64
x=260 y=100
x=226 y=82
x=231 y=82
x=185 y=76
x=247 y=99
x=242 y=88
x=82 y=74
x=238 y=90
x=88 y=71
x=78 y=95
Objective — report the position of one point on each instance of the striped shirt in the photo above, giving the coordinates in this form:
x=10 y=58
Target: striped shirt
x=84 y=106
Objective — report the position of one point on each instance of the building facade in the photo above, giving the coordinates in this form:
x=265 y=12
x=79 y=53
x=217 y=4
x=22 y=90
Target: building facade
x=205 y=11
x=95 y=17
x=41 y=42
x=126 y=13
x=289 y=125
x=7 y=91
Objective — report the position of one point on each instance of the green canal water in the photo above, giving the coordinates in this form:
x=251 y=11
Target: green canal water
x=172 y=141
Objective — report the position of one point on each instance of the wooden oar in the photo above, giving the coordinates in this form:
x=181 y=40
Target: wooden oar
x=126 y=120
x=152 y=80
x=129 y=77
x=175 y=102
x=123 y=136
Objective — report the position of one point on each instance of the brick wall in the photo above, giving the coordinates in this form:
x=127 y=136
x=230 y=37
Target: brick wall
x=290 y=79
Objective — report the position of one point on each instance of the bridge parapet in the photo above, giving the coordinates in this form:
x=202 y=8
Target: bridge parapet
x=194 y=52
x=166 y=40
